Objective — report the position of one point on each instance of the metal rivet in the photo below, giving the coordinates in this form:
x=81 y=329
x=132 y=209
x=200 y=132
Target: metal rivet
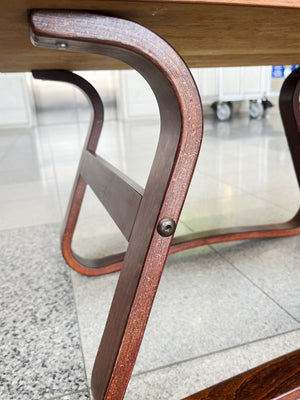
x=61 y=46
x=166 y=227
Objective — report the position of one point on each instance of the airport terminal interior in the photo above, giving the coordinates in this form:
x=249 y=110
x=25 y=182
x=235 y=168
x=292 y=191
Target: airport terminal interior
x=220 y=309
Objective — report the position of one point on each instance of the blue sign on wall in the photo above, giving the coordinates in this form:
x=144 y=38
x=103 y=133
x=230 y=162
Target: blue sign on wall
x=281 y=71
x=278 y=71
x=294 y=67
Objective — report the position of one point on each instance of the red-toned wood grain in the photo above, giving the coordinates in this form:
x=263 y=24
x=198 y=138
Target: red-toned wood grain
x=289 y=106
x=166 y=189
x=274 y=380
x=175 y=159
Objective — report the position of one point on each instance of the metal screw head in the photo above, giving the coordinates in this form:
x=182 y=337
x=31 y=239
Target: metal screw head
x=166 y=227
x=61 y=45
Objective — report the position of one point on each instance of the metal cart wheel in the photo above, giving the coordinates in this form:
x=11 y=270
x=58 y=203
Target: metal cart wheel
x=223 y=111
x=256 y=109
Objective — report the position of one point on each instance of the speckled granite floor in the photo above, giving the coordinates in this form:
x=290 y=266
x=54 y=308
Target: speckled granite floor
x=238 y=302
x=40 y=341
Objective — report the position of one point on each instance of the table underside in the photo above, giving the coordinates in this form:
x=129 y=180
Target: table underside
x=204 y=34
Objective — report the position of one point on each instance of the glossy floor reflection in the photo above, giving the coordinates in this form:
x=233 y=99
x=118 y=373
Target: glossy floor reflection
x=219 y=310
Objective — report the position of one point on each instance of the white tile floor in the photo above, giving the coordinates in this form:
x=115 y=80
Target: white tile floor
x=219 y=309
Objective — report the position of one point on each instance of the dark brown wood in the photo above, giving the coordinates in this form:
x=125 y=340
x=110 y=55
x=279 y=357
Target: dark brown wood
x=178 y=147
x=175 y=159
x=277 y=379
x=80 y=264
x=290 y=114
x=291 y=118
x=117 y=192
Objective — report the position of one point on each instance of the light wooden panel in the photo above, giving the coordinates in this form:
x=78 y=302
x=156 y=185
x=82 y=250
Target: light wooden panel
x=271 y=3
x=204 y=34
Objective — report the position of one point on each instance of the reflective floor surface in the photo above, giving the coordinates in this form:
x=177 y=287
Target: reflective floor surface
x=219 y=310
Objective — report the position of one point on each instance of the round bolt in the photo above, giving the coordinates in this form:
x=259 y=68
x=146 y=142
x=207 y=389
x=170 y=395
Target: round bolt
x=61 y=45
x=166 y=227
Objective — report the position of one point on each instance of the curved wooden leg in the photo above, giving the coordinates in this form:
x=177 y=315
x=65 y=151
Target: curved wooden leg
x=161 y=203
x=277 y=379
x=290 y=114
x=91 y=267
x=289 y=108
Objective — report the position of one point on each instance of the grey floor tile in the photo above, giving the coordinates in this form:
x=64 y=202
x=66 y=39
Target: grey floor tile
x=273 y=265
x=271 y=184
x=93 y=298
x=28 y=190
x=82 y=395
x=40 y=340
x=279 y=197
x=222 y=300
x=24 y=172
x=23 y=152
x=242 y=210
x=183 y=379
x=27 y=159
x=205 y=187
x=57 y=115
x=216 y=305
x=28 y=212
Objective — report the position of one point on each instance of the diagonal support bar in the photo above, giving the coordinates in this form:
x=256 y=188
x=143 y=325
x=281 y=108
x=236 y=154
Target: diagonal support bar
x=120 y=195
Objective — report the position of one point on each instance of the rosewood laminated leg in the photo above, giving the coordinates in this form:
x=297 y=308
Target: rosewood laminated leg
x=290 y=114
x=277 y=379
x=82 y=265
x=158 y=209
x=289 y=108
x=160 y=205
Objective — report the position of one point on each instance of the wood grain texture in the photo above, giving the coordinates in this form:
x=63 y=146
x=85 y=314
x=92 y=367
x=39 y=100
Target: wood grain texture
x=277 y=379
x=204 y=34
x=118 y=193
x=173 y=166
x=81 y=265
x=179 y=144
x=291 y=118
x=259 y=3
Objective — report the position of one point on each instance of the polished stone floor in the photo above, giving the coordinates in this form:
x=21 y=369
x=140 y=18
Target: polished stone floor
x=219 y=309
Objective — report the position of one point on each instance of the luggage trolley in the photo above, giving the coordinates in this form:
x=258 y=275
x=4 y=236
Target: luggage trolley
x=234 y=84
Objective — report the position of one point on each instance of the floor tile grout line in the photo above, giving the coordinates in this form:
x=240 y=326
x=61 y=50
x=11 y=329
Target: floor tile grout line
x=13 y=228
x=56 y=179
x=16 y=139
x=78 y=324
x=256 y=285
x=246 y=191
x=186 y=225
x=49 y=144
x=70 y=394
x=214 y=353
